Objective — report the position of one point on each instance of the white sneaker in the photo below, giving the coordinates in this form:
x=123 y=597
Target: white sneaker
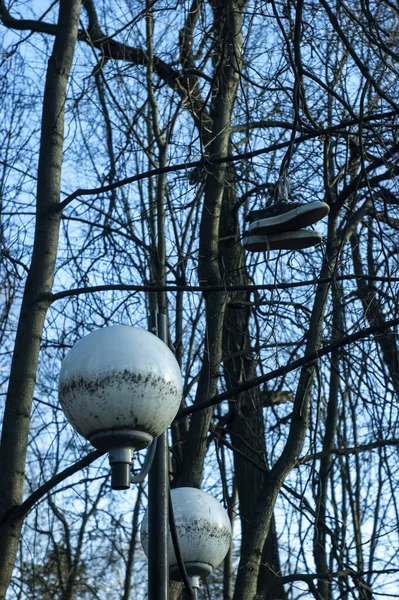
x=286 y=215
x=289 y=240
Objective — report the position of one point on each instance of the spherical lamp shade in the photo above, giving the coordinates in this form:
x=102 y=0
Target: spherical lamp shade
x=120 y=386
x=203 y=529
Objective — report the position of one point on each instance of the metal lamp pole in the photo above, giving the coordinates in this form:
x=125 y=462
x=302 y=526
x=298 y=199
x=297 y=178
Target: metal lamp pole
x=158 y=498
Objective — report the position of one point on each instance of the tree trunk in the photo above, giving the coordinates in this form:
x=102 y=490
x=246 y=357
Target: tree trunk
x=35 y=301
x=228 y=25
x=320 y=536
x=250 y=563
x=246 y=430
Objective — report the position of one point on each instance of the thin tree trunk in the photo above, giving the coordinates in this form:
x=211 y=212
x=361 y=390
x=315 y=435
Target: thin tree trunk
x=247 y=430
x=320 y=538
x=34 y=308
x=250 y=563
x=228 y=25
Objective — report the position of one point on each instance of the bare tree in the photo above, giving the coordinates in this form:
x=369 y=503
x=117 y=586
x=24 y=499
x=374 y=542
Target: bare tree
x=178 y=121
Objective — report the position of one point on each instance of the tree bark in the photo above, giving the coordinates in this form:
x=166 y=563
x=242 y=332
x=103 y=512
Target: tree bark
x=14 y=438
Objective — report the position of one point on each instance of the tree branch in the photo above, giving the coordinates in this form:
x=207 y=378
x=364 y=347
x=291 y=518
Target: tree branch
x=347 y=451
x=208 y=162
x=304 y=361
x=19 y=512
x=205 y=288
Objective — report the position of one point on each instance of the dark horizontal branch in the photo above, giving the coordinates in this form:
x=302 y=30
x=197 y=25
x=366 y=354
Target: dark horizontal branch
x=262 y=124
x=311 y=457
x=347 y=451
x=122 y=287
x=296 y=364
x=38 y=26
x=203 y=163
x=20 y=512
x=211 y=160
x=274 y=123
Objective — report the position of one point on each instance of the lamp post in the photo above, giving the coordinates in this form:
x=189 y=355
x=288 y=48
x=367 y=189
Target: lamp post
x=120 y=387
x=158 y=497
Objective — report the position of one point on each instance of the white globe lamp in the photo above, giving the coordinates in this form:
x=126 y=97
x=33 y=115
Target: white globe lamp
x=120 y=387
x=203 y=529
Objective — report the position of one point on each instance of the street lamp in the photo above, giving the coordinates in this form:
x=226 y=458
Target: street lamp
x=120 y=387
x=204 y=533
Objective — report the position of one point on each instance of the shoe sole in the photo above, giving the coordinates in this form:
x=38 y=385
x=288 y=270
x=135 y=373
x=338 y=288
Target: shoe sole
x=298 y=218
x=290 y=240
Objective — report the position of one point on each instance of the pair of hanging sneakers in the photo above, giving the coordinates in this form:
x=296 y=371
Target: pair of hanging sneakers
x=281 y=226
